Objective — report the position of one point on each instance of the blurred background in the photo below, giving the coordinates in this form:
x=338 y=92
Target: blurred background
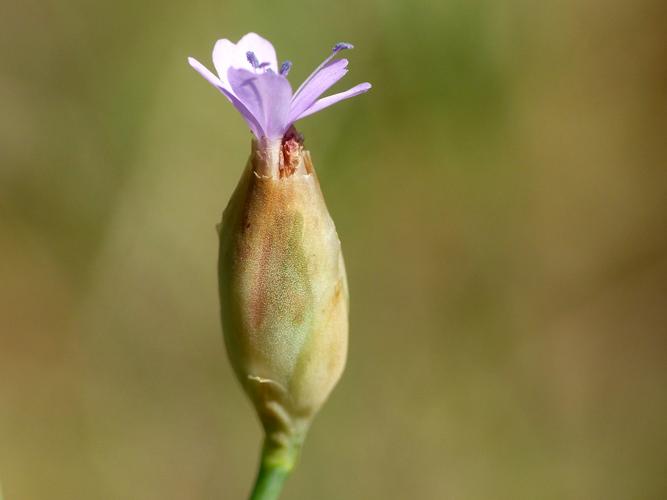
x=501 y=196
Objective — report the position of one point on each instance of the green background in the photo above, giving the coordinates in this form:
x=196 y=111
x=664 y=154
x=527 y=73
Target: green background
x=501 y=196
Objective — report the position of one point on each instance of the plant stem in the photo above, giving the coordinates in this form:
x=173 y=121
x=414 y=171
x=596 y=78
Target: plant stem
x=275 y=465
x=269 y=483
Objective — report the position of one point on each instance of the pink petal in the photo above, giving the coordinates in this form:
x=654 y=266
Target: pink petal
x=262 y=48
x=226 y=55
x=266 y=96
x=215 y=81
x=325 y=102
x=316 y=86
x=205 y=72
x=336 y=49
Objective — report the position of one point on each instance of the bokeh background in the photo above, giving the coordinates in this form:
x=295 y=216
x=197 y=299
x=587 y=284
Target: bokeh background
x=501 y=195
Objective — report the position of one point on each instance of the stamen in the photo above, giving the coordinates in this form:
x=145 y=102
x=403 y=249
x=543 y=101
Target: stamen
x=252 y=59
x=342 y=46
x=265 y=65
x=285 y=67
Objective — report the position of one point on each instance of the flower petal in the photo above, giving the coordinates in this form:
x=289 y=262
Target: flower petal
x=215 y=81
x=336 y=49
x=205 y=72
x=250 y=119
x=316 y=86
x=266 y=95
x=226 y=55
x=325 y=102
x=262 y=48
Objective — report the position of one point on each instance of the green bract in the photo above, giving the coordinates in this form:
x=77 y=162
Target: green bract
x=283 y=293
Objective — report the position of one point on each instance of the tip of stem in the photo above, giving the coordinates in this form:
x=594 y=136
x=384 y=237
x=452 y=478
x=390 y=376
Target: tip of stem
x=276 y=463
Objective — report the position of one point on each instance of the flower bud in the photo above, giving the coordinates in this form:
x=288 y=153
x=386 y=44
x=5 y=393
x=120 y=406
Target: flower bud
x=283 y=289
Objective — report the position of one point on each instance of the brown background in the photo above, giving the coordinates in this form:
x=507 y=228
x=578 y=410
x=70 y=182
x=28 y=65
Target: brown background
x=501 y=196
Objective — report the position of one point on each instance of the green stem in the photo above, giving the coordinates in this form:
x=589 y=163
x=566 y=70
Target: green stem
x=275 y=465
x=269 y=483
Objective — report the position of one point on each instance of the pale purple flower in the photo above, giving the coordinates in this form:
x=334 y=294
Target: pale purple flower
x=249 y=76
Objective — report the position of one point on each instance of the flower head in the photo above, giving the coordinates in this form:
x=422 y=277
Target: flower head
x=248 y=75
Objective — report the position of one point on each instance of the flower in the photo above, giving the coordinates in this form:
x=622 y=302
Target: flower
x=248 y=75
